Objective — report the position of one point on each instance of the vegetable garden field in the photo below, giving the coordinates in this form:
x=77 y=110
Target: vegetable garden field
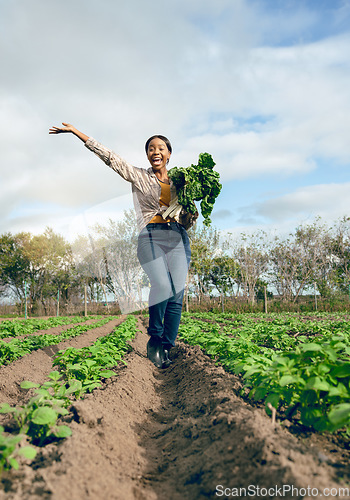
x=253 y=405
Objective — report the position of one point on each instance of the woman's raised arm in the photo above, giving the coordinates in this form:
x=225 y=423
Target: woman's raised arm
x=67 y=127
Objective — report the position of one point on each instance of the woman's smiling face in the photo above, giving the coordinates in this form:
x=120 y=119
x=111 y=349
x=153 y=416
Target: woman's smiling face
x=158 y=154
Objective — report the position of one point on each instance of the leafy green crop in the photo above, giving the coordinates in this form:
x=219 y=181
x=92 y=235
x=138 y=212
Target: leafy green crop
x=17 y=348
x=10 y=450
x=38 y=418
x=197 y=183
x=81 y=370
x=14 y=328
x=91 y=364
x=299 y=366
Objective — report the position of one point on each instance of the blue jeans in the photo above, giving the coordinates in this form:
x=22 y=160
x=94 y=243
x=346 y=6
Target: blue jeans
x=164 y=253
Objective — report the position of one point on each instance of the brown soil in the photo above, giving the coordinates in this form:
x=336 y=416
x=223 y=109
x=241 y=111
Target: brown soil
x=174 y=434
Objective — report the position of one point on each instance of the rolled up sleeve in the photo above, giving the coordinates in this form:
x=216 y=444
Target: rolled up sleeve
x=114 y=161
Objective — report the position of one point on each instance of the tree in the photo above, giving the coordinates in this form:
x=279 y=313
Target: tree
x=14 y=265
x=111 y=258
x=222 y=275
x=205 y=246
x=283 y=267
x=252 y=258
x=51 y=267
x=300 y=261
x=44 y=262
x=339 y=255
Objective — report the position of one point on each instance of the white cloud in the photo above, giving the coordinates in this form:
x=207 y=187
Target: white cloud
x=304 y=92
x=252 y=154
x=329 y=201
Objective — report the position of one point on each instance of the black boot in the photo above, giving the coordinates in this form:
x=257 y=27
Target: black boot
x=167 y=361
x=155 y=352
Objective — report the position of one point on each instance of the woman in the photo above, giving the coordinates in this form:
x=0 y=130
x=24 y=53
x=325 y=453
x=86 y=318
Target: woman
x=163 y=245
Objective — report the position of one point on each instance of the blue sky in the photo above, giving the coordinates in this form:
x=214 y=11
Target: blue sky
x=262 y=85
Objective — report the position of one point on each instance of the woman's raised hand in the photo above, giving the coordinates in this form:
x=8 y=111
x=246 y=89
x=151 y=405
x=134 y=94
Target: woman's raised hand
x=67 y=127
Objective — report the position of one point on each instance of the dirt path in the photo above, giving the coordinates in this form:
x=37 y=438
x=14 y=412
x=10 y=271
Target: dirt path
x=174 y=434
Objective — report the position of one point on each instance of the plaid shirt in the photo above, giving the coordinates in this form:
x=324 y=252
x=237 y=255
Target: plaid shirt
x=146 y=188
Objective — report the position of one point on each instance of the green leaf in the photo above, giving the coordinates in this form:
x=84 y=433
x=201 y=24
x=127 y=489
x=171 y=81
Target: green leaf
x=310 y=415
x=62 y=411
x=42 y=393
x=6 y=408
x=61 y=392
x=260 y=393
x=107 y=373
x=44 y=416
x=341 y=371
x=13 y=463
x=28 y=452
x=91 y=386
x=74 y=366
x=74 y=386
x=55 y=375
x=340 y=414
x=62 y=431
x=323 y=368
x=317 y=384
x=282 y=360
x=311 y=347
x=274 y=399
x=26 y=384
x=287 y=379
x=340 y=390
x=308 y=397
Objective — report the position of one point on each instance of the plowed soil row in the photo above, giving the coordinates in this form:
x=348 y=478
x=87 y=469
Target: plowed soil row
x=172 y=434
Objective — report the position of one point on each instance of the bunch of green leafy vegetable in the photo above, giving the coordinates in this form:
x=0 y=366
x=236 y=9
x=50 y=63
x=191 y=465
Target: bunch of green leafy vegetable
x=197 y=183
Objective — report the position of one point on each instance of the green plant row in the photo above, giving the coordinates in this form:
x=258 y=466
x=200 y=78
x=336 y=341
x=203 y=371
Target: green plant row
x=311 y=323
x=38 y=420
x=277 y=331
x=17 y=348
x=15 y=328
x=308 y=376
x=89 y=364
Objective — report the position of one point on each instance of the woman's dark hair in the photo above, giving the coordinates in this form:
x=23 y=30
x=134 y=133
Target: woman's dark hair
x=167 y=142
